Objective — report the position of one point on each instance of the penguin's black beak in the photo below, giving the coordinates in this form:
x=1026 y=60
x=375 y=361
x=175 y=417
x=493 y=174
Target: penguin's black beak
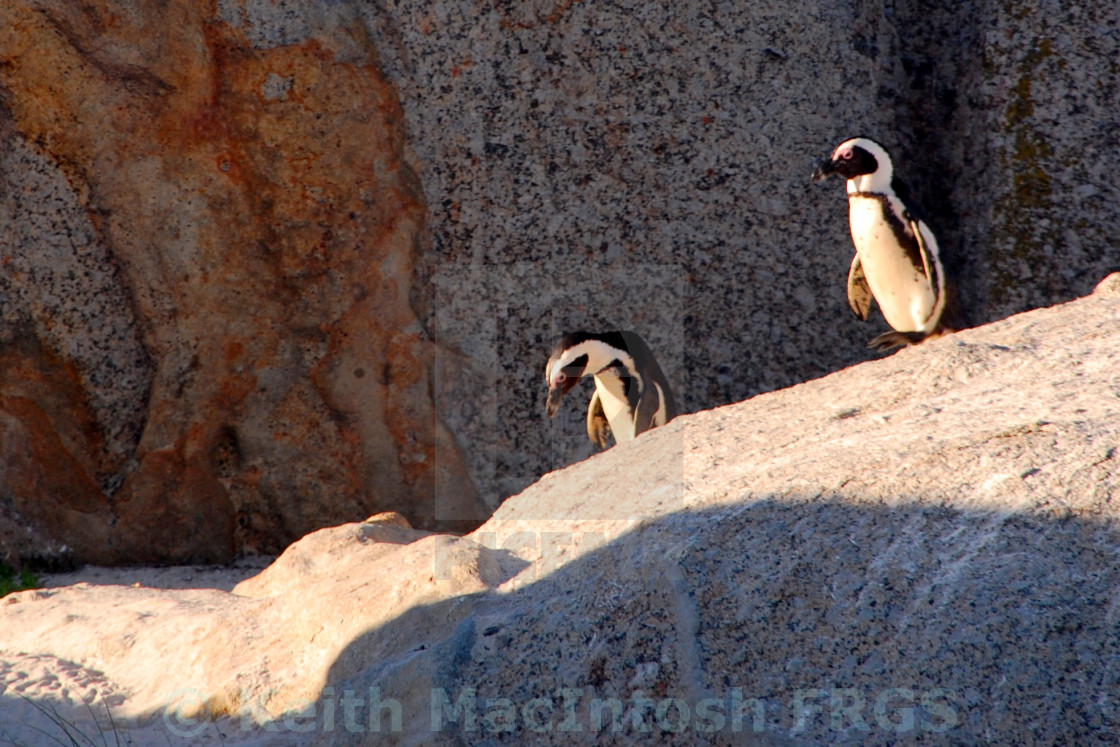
x=824 y=170
x=555 y=394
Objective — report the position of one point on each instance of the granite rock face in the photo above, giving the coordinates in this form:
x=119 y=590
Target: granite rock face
x=651 y=161
x=231 y=231
x=208 y=234
x=918 y=549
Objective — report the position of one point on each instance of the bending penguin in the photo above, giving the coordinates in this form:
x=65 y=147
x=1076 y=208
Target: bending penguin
x=631 y=395
x=897 y=260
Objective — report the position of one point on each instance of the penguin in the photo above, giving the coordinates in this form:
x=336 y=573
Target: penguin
x=631 y=395
x=897 y=261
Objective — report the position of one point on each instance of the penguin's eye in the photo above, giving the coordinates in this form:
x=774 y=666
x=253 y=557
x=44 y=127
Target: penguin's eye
x=561 y=377
x=846 y=155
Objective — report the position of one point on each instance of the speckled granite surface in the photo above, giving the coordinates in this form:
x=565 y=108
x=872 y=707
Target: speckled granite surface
x=615 y=135
x=552 y=165
x=62 y=286
x=207 y=229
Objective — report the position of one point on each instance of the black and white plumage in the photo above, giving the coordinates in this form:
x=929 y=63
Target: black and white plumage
x=631 y=395
x=897 y=261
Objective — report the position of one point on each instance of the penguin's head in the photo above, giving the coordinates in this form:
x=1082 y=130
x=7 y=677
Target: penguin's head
x=862 y=161
x=565 y=368
x=580 y=354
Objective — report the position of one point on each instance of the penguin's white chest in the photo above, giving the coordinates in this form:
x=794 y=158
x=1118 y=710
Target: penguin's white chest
x=902 y=290
x=615 y=406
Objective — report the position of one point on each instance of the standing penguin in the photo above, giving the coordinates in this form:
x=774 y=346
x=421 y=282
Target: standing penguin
x=897 y=260
x=631 y=396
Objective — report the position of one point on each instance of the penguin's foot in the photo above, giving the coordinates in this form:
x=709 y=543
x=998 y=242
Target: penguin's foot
x=891 y=340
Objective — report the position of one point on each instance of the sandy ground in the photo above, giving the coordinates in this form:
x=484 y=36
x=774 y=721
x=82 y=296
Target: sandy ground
x=56 y=701
x=223 y=577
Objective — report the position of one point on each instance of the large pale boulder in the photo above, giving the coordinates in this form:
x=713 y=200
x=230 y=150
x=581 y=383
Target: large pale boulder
x=923 y=547
x=208 y=233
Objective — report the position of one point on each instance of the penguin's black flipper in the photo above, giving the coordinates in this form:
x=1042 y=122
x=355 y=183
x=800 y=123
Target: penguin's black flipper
x=598 y=427
x=859 y=292
x=928 y=268
x=647 y=410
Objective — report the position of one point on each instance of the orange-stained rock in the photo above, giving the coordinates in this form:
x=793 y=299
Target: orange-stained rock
x=49 y=447
x=250 y=194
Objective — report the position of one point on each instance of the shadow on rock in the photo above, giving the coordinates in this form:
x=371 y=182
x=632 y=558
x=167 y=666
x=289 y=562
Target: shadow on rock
x=769 y=621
